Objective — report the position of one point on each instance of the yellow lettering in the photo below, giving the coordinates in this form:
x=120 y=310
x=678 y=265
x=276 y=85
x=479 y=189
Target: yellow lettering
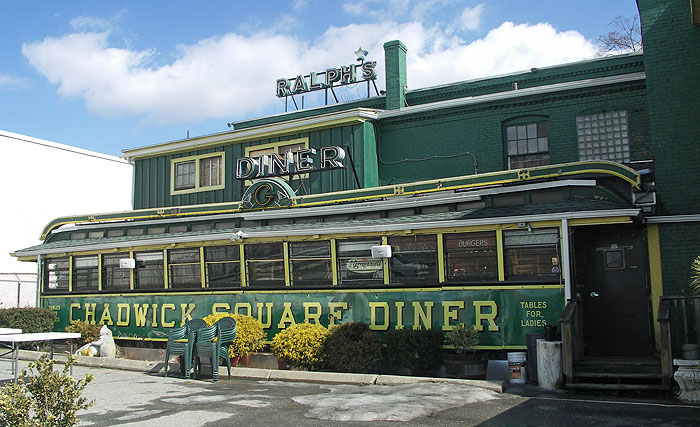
x=261 y=315
x=373 y=325
x=186 y=310
x=140 y=312
x=489 y=317
x=90 y=313
x=449 y=313
x=287 y=316
x=334 y=311
x=70 y=310
x=123 y=308
x=154 y=322
x=164 y=307
x=106 y=318
x=423 y=316
x=316 y=316
x=237 y=308
x=220 y=308
x=399 y=314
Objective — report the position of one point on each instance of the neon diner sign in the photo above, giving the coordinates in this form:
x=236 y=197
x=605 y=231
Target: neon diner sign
x=341 y=76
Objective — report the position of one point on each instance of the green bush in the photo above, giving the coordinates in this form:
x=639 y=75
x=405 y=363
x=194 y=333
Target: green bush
x=352 y=347
x=88 y=332
x=463 y=338
x=419 y=350
x=300 y=345
x=250 y=336
x=29 y=320
x=43 y=398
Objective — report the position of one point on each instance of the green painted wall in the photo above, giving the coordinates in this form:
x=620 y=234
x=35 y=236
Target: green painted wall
x=152 y=176
x=680 y=245
x=672 y=62
x=479 y=130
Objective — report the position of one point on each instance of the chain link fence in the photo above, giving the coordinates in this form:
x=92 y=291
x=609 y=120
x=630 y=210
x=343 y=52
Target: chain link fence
x=18 y=290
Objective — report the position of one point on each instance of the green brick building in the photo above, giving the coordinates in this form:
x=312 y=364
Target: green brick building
x=502 y=199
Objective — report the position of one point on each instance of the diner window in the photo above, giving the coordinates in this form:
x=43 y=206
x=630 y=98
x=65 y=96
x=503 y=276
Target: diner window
x=184 y=270
x=413 y=260
x=264 y=264
x=197 y=173
x=527 y=145
x=85 y=273
x=355 y=263
x=471 y=257
x=281 y=147
x=113 y=276
x=531 y=255
x=57 y=274
x=222 y=266
x=310 y=264
x=603 y=136
x=148 y=273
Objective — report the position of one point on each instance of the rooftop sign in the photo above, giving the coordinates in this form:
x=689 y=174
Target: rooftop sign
x=300 y=161
x=332 y=77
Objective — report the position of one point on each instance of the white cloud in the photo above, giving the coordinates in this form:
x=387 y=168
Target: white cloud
x=470 y=18
x=12 y=82
x=89 y=23
x=233 y=76
x=356 y=9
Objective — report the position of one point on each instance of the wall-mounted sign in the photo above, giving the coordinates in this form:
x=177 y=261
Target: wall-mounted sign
x=301 y=161
x=344 y=75
x=267 y=193
x=364 y=265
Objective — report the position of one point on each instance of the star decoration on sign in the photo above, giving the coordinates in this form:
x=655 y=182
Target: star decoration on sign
x=361 y=54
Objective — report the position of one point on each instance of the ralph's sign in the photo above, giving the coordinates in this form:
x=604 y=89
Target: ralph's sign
x=344 y=75
x=301 y=161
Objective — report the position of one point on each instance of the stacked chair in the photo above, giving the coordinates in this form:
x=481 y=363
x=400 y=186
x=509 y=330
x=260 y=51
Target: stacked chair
x=181 y=342
x=227 y=333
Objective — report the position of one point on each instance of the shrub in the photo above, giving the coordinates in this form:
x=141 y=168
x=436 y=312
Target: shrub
x=695 y=276
x=88 y=331
x=250 y=336
x=418 y=350
x=352 y=347
x=463 y=338
x=44 y=398
x=29 y=320
x=300 y=345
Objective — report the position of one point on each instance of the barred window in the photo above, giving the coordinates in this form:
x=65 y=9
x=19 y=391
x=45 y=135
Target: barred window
x=222 y=266
x=85 y=273
x=310 y=264
x=471 y=256
x=184 y=270
x=113 y=276
x=264 y=264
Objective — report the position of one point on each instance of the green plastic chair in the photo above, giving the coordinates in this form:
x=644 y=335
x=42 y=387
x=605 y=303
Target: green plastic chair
x=179 y=344
x=227 y=333
x=207 y=344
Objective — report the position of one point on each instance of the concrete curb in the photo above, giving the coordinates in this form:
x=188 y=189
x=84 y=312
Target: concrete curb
x=151 y=367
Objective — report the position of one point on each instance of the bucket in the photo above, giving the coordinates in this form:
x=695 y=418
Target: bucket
x=516 y=367
x=691 y=351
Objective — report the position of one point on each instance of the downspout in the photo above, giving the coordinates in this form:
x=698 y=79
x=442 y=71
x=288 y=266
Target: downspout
x=39 y=261
x=566 y=259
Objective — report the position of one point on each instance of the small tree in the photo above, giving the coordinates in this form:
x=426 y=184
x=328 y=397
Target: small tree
x=625 y=37
x=695 y=276
x=45 y=397
x=463 y=339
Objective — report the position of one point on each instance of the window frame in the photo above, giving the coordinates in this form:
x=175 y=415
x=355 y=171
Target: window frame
x=275 y=147
x=233 y=263
x=198 y=187
x=526 y=122
x=477 y=244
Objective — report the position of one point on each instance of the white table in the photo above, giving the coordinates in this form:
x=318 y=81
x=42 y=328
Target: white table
x=15 y=339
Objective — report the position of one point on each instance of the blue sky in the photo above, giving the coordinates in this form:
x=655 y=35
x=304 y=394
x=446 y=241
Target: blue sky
x=108 y=76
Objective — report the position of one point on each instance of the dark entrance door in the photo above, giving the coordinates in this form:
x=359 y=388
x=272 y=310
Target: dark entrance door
x=611 y=270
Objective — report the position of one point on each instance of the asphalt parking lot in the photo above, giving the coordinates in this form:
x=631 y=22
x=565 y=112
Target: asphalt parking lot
x=130 y=398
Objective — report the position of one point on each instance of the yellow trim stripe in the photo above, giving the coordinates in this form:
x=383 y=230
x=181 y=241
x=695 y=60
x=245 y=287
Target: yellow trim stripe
x=318 y=291
x=655 y=276
x=499 y=255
